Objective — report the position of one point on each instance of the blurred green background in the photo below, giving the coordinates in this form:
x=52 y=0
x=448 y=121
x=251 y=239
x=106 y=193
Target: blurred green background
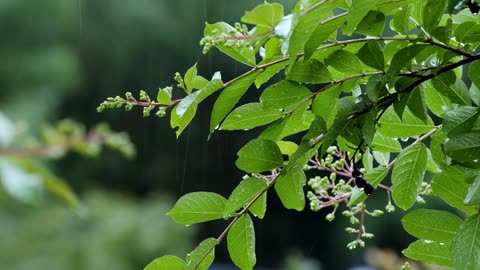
x=60 y=59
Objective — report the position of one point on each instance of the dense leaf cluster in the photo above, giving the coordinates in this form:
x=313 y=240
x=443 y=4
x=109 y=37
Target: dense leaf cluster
x=382 y=78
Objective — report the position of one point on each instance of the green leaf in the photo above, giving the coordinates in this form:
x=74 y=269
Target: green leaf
x=164 y=95
x=452 y=189
x=202 y=256
x=284 y=95
x=243 y=194
x=242 y=54
x=473 y=195
x=372 y=24
x=289 y=187
x=241 y=243
x=325 y=104
x=464 y=147
x=430 y=252
x=266 y=14
x=344 y=61
x=431 y=165
x=436 y=102
x=431 y=224
x=460 y=120
x=383 y=158
x=474 y=94
x=407 y=174
x=368 y=122
x=310 y=71
x=466 y=244
x=432 y=13
x=166 y=262
x=467 y=32
x=401 y=21
x=259 y=207
x=198 y=207
x=456 y=91
x=409 y=126
x=184 y=112
x=294 y=123
x=473 y=72
x=323 y=32
x=374 y=177
x=229 y=97
x=385 y=144
x=376 y=87
x=403 y=57
x=339 y=126
x=416 y=104
x=249 y=116
x=269 y=72
x=306 y=25
x=189 y=77
x=371 y=55
x=287 y=148
x=357 y=12
x=259 y=155
x=199 y=82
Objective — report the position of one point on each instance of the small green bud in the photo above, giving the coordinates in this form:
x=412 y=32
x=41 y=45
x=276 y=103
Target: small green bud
x=161 y=112
x=351 y=230
x=377 y=213
x=333 y=176
x=128 y=107
x=406 y=266
x=144 y=96
x=331 y=150
x=110 y=99
x=368 y=235
x=420 y=200
x=146 y=111
x=330 y=217
x=347 y=213
x=354 y=220
x=129 y=96
x=390 y=208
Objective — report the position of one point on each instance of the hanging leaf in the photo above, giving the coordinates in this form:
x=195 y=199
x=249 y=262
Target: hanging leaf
x=385 y=144
x=403 y=57
x=436 y=102
x=407 y=175
x=310 y=71
x=325 y=104
x=203 y=255
x=473 y=195
x=249 y=116
x=460 y=120
x=452 y=190
x=466 y=244
x=269 y=72
x=372 y=24
x=289 y=187
x=464 y=147
x=409 y=126
x=345 y=62
x=371 y=54
x=285 y=95
x=241 y=243
x=431 y=224
x=456 y=91
x=430 y=252
x=259 y=155
x=198 y=207
x=266 y=14
x=243 y=194
x=357 y=12
x=473 y=72
x=432 y=13
x=189 y=77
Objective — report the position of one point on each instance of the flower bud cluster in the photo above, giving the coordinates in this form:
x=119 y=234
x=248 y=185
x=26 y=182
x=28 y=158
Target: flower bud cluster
x=238 y=37
x=129 y=102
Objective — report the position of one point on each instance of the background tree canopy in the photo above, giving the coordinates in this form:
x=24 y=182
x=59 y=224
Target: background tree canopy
x=344 y=78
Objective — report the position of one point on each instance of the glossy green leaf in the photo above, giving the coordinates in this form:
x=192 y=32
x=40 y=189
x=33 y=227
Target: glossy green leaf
x=244 y=193
x=431 y=165
x=242 y=54
x=229 y=97
x=403 y=57
x=436 y=102
x=203 y=255
x=401 y=21
x=249 y=116
x=325 y=104
x=306 y=25
x=241 y=243
x=431 y=224
x=385 y=144
x=310 y=71
x=383 y=158
x=198 y=207
x=409 y=126
x=466 y=244
x=371 y=54
x=322 y=33
x=266 y=14
x=189 y=77
x=417 y=105
x=430 y=252
x=199 y=82
x=432 y=13
x=374 y=177
x=452 y=190
x=344 y=61
x=269 y=72
x=467 y=32
x=289 y=187
x=473 y=72
x=357 y=12
x=164 y=95
x=456 y=91
x=460 y=120
x=259 y=155
x=285 y=95
x=473 y=195
x=166 y=262
x=294 y=123
x=372 y=24
x=286 y=147
x=464 y=147
x=407 y=174
x=184 y=112
x=259 y=207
